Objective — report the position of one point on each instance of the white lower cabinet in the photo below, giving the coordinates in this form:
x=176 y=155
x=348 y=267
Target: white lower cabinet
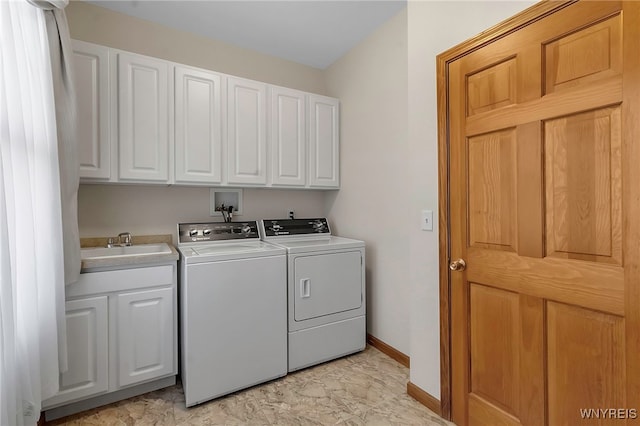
x=121 y=331
x=87 y=357
x=145 y=335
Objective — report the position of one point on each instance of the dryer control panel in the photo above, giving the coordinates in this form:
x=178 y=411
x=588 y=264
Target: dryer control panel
x=301 y=227
x=217 y=231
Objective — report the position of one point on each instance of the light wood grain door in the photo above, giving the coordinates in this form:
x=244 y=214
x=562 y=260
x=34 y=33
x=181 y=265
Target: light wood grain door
x=543 y=207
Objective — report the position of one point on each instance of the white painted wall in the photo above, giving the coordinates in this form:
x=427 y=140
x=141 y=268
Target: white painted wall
x=371 y=83
x=106 y=210
x=96 y=24
x=433 y=27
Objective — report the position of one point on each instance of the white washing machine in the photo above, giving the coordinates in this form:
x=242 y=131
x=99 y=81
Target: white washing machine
x=325 y=287
x=233 y=309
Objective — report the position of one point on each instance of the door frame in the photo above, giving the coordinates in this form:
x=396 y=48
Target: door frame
x=524 y=18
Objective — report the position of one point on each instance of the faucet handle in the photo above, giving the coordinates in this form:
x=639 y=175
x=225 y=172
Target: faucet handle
x=125 y=238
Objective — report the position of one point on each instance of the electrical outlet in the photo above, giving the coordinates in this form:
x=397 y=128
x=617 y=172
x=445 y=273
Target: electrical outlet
x=291 y=214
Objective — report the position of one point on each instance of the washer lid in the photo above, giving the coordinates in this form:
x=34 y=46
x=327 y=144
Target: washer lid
x=198 y=253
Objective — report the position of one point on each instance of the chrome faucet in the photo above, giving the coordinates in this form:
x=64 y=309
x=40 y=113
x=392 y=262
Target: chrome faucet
x=124 y=238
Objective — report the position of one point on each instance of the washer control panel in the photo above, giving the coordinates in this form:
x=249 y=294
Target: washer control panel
x=217 y=231
x=280 y=227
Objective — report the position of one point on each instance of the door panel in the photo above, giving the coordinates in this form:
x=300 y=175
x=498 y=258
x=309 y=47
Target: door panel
x=324 y=142
x=585 y=361
x=492 y=88
x=145 y=334
x=536 y=144
x=143 y=122
x=198 y=126
x=91 y=83
x=87 y=349
x=583 y=56
x=495 y=338
x=584 y=186
x=326 y=284
x=247 y=131
x=492 y=190
x=288 y=137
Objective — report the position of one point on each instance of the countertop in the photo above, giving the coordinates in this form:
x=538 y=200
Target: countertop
x=115 y=261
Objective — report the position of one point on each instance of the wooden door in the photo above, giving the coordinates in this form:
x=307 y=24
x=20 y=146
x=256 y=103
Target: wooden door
x=543 y=177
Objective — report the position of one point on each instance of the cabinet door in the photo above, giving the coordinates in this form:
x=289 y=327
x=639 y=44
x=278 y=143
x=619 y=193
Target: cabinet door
x=91 y=69
x=143 y=130
x=198 y=126
x=288 y=137
x=87 y=351
x=145 y=327
x=246 y=135
x=324 y=166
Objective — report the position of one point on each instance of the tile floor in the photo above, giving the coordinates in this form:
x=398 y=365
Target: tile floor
x=367 y=388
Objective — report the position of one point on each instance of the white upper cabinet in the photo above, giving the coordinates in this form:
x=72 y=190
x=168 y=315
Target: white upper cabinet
x=143 y=118
x=324 y=147
x=198 y=126
x=147 y=120
x=91 y=72
x=246 y=132
x=288 y=137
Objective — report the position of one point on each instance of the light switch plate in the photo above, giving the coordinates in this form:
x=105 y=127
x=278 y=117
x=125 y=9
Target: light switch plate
x=427 y=220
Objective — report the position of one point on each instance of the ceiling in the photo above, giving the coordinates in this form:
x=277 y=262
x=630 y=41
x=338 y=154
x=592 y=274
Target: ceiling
x=311 y=32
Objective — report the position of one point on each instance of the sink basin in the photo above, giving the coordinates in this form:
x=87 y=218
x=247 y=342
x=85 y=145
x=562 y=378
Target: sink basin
x=135 y=250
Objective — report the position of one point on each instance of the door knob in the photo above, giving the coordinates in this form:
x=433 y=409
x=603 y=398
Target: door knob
x=458 y=265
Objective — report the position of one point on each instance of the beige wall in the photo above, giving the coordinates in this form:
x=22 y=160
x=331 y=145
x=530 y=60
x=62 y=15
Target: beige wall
x=108 y=209
x=95 y=24
x=371 y=82
x=433 y=27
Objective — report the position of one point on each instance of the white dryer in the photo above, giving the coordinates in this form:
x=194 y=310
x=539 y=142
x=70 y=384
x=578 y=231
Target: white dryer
x=233 y=322
x=325 y=287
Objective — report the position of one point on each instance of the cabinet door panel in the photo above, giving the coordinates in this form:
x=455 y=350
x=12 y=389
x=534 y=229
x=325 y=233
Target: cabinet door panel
x=91 y=68
x=87 y=351
x=288 y=137
x=143 y=118
x=198 y=124
x=324 y=146
x=246 y=138
x=145 y=335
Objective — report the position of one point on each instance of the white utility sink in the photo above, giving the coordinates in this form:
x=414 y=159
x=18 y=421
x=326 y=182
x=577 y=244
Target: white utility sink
x=135 y=250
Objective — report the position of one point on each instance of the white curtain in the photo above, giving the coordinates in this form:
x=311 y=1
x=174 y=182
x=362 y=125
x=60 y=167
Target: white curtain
x=62 y=68
x=32 y=272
